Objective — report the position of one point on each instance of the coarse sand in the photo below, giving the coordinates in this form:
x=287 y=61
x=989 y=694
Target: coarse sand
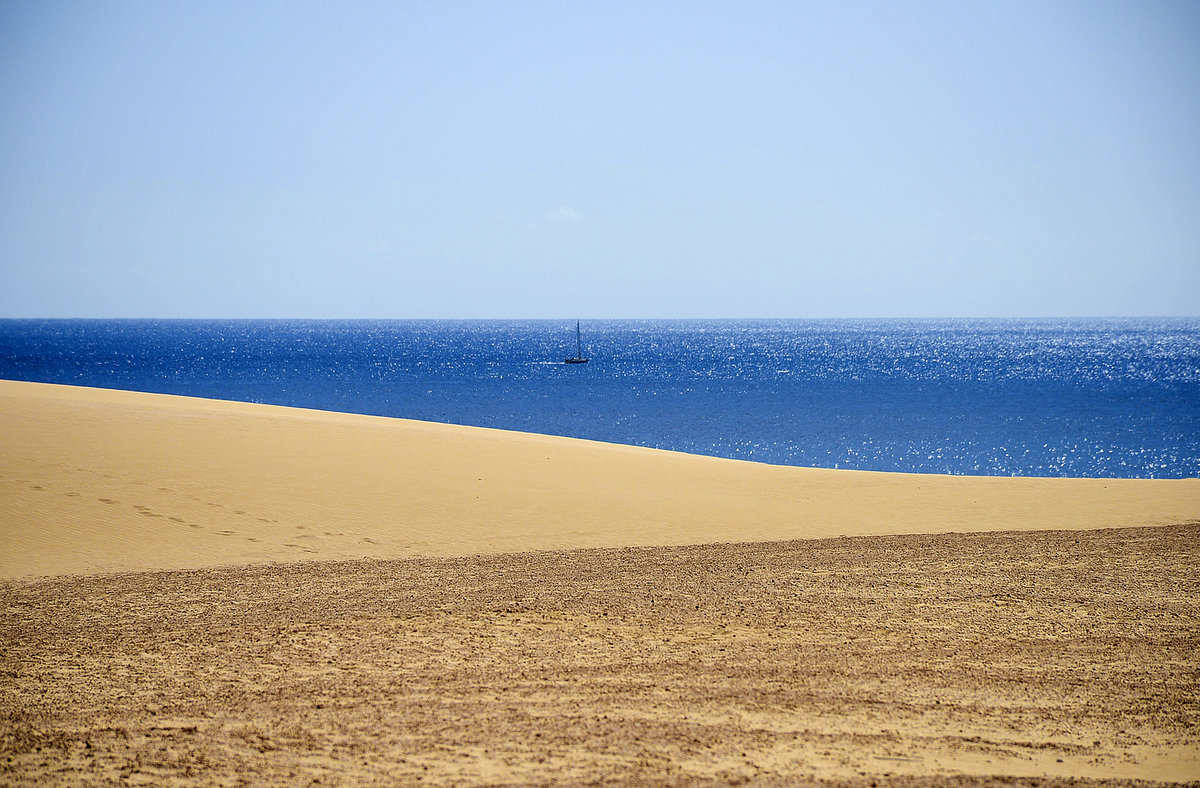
x=1048 y=658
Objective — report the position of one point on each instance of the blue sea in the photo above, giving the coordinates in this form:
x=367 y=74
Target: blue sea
x=1101 y=398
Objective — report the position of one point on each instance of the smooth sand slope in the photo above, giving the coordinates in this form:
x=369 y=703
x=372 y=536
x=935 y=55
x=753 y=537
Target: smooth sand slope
x=95 y=481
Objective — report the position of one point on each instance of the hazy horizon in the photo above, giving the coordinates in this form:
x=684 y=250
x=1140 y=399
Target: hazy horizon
x=585 y=319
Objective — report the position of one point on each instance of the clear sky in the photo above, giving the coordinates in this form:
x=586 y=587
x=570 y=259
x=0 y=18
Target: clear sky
x=599 y=159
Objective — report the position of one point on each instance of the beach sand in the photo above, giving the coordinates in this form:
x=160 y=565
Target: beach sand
x=94 y=480
x=208 y=592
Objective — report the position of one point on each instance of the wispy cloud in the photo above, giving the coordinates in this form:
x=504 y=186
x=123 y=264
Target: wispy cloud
x=564 y=214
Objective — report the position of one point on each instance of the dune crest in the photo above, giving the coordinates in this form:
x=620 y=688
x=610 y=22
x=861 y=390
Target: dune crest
x=98 y=481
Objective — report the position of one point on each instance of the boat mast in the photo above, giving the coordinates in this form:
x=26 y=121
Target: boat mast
x=578 y=357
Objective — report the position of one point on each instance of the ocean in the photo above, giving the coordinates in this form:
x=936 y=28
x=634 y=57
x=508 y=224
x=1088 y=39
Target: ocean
x=1117 y=398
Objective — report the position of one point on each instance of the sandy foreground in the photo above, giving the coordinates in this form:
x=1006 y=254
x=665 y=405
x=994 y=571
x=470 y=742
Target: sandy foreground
x=211 y=593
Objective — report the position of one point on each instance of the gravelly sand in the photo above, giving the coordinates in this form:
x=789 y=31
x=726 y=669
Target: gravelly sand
x=1034 y=658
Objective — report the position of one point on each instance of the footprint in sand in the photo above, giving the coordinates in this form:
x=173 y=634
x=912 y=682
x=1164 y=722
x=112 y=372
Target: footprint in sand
x=225 y=533
x=107 y=500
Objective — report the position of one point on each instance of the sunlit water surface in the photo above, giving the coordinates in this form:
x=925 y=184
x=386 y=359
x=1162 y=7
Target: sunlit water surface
x=1113 y=398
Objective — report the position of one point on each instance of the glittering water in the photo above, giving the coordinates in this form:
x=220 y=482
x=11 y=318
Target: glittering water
x=1115 y=398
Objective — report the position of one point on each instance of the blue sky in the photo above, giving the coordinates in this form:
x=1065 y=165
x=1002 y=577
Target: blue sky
x=608 y=159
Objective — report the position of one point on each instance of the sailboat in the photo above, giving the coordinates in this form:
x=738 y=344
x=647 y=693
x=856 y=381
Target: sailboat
x=578 y=357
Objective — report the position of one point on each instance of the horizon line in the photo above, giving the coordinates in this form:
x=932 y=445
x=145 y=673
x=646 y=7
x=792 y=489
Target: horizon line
x=611 y=319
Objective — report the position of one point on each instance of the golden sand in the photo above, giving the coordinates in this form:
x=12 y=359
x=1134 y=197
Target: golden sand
x=99 y=481
x=522 y=609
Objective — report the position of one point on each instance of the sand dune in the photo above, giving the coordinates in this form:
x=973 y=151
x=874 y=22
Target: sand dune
x=98 y=481
x=1062 y=655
